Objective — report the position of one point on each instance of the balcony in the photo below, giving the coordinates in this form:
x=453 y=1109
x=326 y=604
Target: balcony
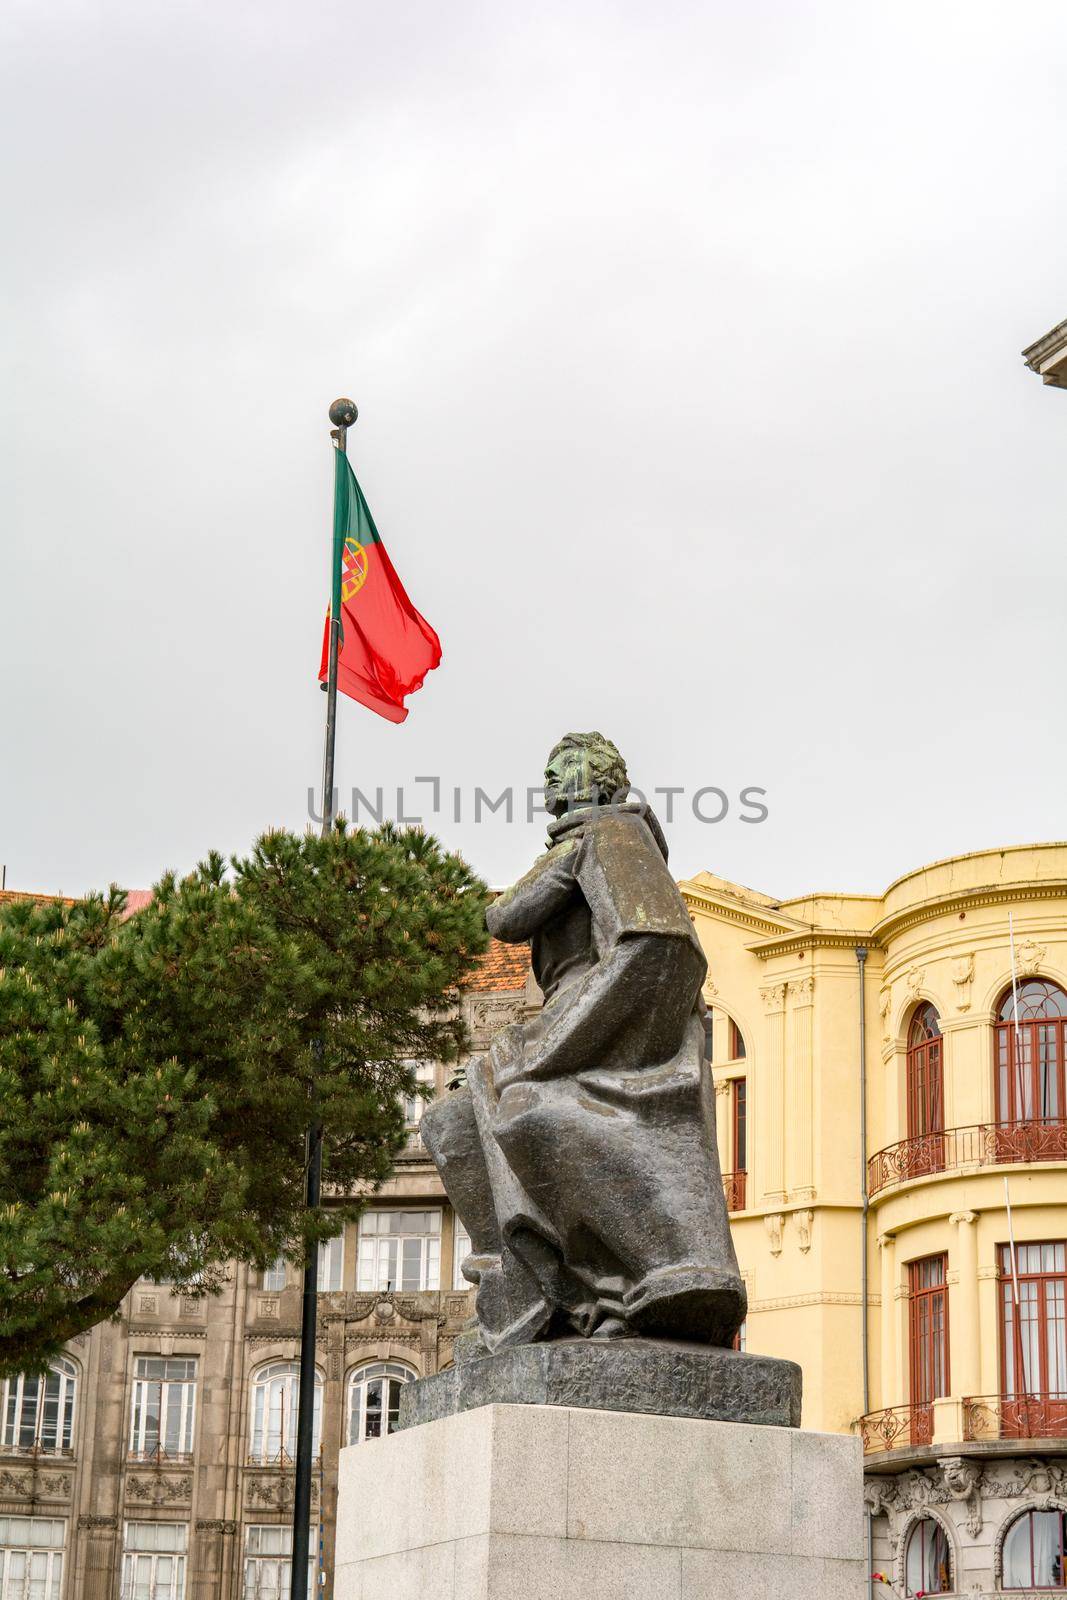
x=896 y=1428
x=1023 y=1416
x=733 y=1184
x=985 y=1144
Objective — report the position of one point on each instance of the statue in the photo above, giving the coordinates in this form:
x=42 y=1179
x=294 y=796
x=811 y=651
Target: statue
x=580 y=1153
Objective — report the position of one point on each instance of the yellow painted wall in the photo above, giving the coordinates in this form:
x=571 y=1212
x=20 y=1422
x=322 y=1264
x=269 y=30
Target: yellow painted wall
x=787 y=973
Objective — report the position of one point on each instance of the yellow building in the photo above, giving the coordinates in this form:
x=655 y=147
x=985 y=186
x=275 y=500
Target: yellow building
x=881 y=1105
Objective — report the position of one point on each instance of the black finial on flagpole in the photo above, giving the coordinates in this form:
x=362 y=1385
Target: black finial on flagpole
x=343 y=413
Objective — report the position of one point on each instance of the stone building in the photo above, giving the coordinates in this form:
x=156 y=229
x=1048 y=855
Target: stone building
x=871 y=1154
x=155 y=1461
x=1047 y=357
x=873 y=1095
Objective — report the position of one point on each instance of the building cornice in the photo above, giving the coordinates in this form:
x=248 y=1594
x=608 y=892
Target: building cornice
x=991 y=894
x=742 y=915
x=787 y=944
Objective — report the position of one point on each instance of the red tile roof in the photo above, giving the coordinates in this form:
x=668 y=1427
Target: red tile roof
x=504 y=966
x=10 y=896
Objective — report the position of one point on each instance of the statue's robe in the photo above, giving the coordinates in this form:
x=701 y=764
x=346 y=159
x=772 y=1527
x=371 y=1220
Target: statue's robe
x=582 y=1155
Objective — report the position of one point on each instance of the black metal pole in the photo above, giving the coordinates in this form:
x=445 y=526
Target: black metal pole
x=342 y=414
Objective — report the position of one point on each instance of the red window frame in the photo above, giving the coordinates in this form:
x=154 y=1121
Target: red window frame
x=1033 y=1358
x=737 y=1042
x=929 y=1347
x=1030 y=1084
x=1028 y=1518
x=739 y=1124
x=926 y=1093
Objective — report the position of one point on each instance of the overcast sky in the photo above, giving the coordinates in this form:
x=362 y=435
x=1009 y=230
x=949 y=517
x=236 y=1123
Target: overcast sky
x=686 y=344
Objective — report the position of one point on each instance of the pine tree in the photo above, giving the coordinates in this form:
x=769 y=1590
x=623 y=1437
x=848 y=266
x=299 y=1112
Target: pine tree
x=157 y=1070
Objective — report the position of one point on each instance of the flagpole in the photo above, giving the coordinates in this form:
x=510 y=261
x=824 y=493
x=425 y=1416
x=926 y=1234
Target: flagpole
x=343 y=414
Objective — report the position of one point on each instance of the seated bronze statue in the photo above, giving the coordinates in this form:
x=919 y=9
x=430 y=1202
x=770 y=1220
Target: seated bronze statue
x=581 y=1151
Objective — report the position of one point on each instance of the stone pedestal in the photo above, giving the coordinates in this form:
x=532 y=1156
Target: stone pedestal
x=551 y=1502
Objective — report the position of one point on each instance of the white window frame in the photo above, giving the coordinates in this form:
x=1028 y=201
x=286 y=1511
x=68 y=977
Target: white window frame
x=413 y=1104
x=173 y=1413
x=461 y=1249
x=146 y=1547
x=381 y=1269
x=29 y=1393
x=359 y=1379
x=32 y=1542
x=272 y=1279
x=268 y=1562
x=274 y=1401
x=331 y=1268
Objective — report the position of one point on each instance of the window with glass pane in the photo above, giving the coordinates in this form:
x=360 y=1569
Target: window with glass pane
x=31 y=1557
x=400 y=1250
x=1034 y=1550
x=268 y=1563
x=275 y=1400
x=928 y=1312
x=153 y=1561
x=164 y=1406
x=374 y=1399
x=273 y=1278
x=1030 y=1049
x=737 y=1042
x=331 y=1263
x=461 y=1249
x=37 y=1413
x=927 y=1565
x=414 y=1104
x=740 y=1099
x=926 y=1095
x=1034 y=1354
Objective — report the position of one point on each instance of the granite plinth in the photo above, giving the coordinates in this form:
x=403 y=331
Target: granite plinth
x=553 y=1503
x=651 y=1376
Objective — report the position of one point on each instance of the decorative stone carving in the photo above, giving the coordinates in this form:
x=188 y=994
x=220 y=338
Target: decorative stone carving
x=159 y=1490
x=92 y=1523
x=1029 y=957
x=963 y=1481
x=773 y=997
x=885 y=1005
x=216 y=1525
x=802 y=991
x=148 y=1305
x=190 y=1306
x=774 y=1223
x=487 y=1016
x=913 y=980
x=581 y=1152
x=54 y=1486
x=15 y=1485
x=804 y=1220
x=268 y=1307
x=384 y=1311
x=962 y=974
x=274 y=1489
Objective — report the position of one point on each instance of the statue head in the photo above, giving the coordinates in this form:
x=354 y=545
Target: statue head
x=584 y=769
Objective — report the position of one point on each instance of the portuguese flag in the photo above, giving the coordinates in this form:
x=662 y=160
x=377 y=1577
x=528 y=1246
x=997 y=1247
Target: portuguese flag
x=386 y=648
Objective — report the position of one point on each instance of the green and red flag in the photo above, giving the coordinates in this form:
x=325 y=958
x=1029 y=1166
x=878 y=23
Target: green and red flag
x=386 y=648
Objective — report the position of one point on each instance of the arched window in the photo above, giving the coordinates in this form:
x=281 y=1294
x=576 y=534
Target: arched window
x=1033 y=1551
x=926 y=1093
x=38 y=1412
x=1030 y=1056
x=374 y=1399
x=927 y=1565
x=275 y=1399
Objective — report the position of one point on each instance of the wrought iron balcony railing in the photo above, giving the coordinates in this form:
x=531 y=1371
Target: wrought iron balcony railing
x=984 y=1144
x=157 y=1454
x=896 y=1428
x=1019 y=1416
x=734 y=1188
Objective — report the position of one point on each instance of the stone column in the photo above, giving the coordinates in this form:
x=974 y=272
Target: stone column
x=772 y=1111
x=887 y=1364
x=799 y=1132
x=98 y=1556
x=965 y=1377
